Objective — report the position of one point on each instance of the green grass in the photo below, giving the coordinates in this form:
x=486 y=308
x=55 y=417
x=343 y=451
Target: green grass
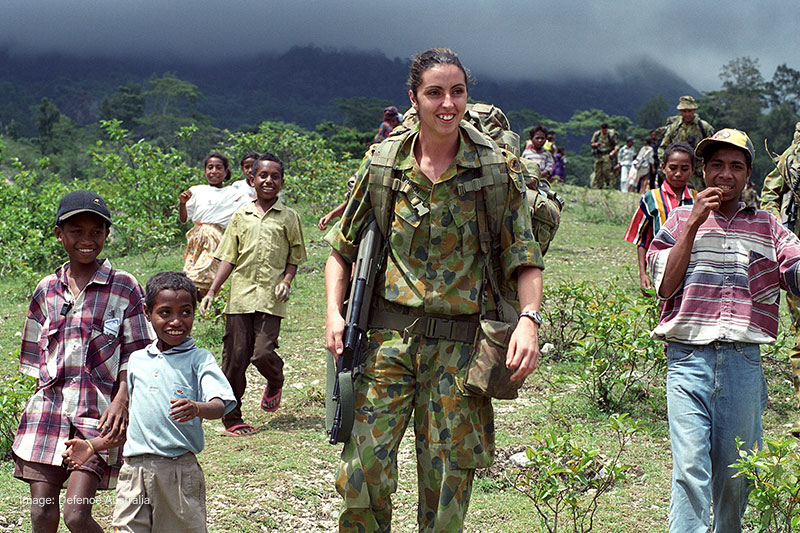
x=281 y=479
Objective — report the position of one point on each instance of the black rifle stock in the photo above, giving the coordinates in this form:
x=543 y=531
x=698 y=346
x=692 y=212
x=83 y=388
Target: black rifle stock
x=350 y=364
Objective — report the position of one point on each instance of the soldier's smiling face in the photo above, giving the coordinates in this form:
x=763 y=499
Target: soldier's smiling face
x=688 y=115
x=440 y=100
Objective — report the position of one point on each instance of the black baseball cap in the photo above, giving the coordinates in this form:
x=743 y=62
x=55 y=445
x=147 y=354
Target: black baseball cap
x=81 y=202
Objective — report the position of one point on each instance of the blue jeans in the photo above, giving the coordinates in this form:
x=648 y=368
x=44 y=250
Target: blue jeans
x=715 y=393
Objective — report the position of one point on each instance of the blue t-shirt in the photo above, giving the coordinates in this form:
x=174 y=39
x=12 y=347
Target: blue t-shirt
x=155 y=378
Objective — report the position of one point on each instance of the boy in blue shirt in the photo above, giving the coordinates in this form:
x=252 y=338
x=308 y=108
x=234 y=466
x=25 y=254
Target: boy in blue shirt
x=172 y=385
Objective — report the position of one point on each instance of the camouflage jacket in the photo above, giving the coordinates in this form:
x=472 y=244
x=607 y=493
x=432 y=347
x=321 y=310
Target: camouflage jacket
x=677 y=131
x=776 y=196
x=606 y=143
x=434 y=261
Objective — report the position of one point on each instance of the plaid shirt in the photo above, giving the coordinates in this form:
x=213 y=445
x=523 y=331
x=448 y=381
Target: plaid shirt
x=76 y=346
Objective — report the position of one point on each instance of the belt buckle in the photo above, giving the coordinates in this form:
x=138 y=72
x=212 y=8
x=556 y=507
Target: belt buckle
x=439 y=328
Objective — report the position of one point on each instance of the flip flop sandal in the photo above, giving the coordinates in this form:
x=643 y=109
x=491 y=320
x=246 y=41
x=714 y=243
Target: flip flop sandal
x=239 y=430
x=271 y=403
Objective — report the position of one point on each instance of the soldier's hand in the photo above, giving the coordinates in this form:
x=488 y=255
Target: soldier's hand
x=523 y=349
x=205 y=304
x=282 y=291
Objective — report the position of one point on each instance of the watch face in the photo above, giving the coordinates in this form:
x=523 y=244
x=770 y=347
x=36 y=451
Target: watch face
x=533 y=315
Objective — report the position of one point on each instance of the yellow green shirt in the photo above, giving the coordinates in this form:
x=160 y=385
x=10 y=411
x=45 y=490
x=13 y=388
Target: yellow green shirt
x=260 y=246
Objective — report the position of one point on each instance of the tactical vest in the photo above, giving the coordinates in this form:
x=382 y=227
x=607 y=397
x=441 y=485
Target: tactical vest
x=488 y=120
x=490 y=182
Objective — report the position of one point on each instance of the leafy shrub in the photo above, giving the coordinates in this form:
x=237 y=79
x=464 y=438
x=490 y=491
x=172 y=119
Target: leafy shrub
x=608 y=331
x=27 y=216
x=564 y=480
x=775 y=475
x=314 y=174
x=141 y=186
x=14 y=393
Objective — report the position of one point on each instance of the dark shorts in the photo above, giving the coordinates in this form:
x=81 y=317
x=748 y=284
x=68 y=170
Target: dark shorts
x=56 y=475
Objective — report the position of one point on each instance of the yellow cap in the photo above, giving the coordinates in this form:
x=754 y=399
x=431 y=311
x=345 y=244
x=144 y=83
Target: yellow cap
x=728 y=136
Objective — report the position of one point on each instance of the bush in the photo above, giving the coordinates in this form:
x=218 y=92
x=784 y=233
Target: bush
x=27 y=216
x=564 y=480
x=141 y=187
x=608 y=332
x=314 y=174
x=775 y=475
x=14 y=393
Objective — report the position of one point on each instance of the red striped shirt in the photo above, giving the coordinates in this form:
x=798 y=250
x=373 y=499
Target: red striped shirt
x=731 y=289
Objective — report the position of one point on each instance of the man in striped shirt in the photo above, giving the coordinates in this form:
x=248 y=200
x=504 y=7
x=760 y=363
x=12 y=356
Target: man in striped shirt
x=719 y=266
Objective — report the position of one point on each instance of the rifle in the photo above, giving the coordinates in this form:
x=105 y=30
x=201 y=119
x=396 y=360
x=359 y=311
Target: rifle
x=340 y=409
x=789 y=210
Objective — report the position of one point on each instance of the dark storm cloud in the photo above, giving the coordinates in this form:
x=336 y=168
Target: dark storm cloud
x=512 y=39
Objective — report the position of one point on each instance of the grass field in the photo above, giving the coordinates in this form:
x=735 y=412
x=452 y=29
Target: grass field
x=281 y=479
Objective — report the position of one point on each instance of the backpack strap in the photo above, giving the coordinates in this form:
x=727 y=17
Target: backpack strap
x=385 y=181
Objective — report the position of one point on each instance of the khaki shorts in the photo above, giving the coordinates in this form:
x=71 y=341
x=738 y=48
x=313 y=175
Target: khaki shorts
x=156 y=493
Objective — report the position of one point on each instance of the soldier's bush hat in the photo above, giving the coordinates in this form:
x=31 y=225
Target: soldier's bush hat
x=686 y=102
x=81 y=202
x=731 y=137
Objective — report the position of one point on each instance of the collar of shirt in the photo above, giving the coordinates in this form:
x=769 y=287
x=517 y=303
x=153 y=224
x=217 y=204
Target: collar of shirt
x=251 y=209
x=185 y=346
x=667 y=188
x=466 y=156
x=101 y=276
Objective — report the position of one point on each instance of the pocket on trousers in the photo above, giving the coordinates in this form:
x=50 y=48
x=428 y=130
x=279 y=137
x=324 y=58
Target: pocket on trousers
x=751 y=353
x=677 y=353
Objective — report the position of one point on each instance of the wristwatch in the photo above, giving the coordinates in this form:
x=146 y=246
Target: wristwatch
x=533 y=315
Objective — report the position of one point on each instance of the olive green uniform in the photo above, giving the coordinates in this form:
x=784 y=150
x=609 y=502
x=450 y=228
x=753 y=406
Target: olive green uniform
x=604 y=175
x=433 y=268
x=774 y=198
x=692 y=133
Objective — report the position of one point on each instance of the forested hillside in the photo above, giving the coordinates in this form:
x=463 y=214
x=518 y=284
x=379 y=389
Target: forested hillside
x=300 y=86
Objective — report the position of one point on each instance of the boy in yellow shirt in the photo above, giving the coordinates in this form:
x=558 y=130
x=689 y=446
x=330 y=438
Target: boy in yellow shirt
x=260 y=250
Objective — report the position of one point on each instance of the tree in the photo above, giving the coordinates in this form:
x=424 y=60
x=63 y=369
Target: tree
x=170 y=95
x=651 y=114
x=742 y=98
x=127 y=105
x=785 y=88
x=47 y=117
x=361 y=112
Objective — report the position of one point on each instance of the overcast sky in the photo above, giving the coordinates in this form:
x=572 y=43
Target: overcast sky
x=508 y=39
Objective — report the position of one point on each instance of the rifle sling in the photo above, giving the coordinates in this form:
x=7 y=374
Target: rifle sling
x=347 y=398
x=460 y=329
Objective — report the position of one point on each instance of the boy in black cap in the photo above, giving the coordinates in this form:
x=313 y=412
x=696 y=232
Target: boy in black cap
x=83 y=322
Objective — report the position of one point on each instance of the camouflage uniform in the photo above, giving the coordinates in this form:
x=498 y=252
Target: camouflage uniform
x=434 y=267
x=774 y=198
x=692 y=134
x=604 y=175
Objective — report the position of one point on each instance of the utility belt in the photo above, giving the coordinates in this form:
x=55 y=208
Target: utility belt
x=414 y=321
x=603 y=152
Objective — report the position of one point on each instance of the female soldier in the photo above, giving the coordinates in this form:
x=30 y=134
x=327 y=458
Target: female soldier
x=432 y=274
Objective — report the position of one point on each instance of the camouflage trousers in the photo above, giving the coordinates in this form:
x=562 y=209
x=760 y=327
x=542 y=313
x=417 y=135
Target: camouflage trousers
x=793 y=302
x=454 y=434
x=604 y=175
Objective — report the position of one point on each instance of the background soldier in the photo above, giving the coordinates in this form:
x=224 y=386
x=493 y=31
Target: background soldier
x=690 y=129
x=604 y=148
x=778 y=198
